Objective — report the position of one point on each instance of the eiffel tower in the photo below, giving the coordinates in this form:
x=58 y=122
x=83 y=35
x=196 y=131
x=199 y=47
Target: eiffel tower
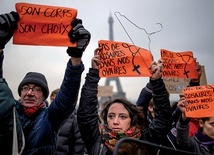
x=119 y=93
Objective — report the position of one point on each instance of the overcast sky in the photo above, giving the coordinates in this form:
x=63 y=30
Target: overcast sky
x=187 y=25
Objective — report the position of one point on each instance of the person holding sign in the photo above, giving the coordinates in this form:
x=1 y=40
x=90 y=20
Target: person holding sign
x=203 y=140
x=11 y=136
x=171 y=139
x=121 y=117
x=144 y=102
x=40 y=124
x=194 y=122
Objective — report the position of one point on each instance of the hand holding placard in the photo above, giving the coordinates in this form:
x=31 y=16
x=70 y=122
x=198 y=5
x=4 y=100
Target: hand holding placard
x=178 y=64
x=120 y=59
x=8 y=24
x=80 y=35
x=44 y=25
x=200 y=101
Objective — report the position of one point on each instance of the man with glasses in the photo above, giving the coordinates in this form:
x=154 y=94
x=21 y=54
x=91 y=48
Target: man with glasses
x=40 y=124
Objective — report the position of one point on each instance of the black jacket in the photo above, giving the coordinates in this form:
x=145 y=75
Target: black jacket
x=88 y=114
x=69 y=140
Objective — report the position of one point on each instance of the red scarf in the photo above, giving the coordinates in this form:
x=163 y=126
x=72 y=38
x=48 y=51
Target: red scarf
x=29 y=111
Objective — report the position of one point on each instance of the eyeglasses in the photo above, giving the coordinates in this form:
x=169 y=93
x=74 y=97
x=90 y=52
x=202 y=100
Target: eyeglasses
x=35 y=89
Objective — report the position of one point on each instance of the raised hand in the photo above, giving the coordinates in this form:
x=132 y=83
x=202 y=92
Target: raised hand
x=95 y=61
x=182 y=103
x=199 y=70
x=156 y=69
x=80 y=35
x=8 y=24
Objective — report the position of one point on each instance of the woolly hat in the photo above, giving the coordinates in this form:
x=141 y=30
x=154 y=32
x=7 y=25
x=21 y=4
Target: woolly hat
x=35 y=78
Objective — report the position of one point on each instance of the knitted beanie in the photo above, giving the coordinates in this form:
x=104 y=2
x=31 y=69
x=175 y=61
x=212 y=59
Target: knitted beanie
x=35 y=78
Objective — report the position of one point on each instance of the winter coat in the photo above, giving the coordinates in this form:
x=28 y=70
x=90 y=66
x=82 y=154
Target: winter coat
x=69 y=140
x=1 y=64
x=40 y=130
x=7 y=112
x=87 y=114
x=8 y=118
x=143 y=100
x=145 y=96
x=171 y=140
x=191 y=144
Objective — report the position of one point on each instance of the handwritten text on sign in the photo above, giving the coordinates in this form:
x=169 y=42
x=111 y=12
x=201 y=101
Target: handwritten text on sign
x=178 y=64
x=200 y=101
x=119 y=59
x=175 y=85
x=43 y=25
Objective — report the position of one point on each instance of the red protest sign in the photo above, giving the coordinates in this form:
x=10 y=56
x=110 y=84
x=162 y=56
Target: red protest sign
x=119 y=59
x=43 y=25
x=200 y=101
x=178 y=64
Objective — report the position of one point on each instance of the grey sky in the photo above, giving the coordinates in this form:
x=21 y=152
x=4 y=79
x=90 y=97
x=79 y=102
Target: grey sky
x=187 y=25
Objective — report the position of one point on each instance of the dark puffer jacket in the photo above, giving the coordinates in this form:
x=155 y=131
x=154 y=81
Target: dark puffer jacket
x=87 y=114
x=40 y=130
x=69 y=138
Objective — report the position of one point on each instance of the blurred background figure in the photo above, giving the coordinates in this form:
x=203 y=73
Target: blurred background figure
x=69 y=140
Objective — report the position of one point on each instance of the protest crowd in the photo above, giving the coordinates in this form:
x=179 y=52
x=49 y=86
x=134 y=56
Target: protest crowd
x=31 y=125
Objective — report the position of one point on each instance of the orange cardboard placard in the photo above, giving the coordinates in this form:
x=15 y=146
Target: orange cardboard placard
x=200 y=101
x=119 y=59
x=43 y=25
x=178 y=64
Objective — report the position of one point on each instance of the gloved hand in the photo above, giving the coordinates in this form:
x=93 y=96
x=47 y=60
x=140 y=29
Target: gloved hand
x=80 y=35
x=8 y=24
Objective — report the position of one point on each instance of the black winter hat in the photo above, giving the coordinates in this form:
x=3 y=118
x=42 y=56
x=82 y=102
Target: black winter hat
x=35 y=78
